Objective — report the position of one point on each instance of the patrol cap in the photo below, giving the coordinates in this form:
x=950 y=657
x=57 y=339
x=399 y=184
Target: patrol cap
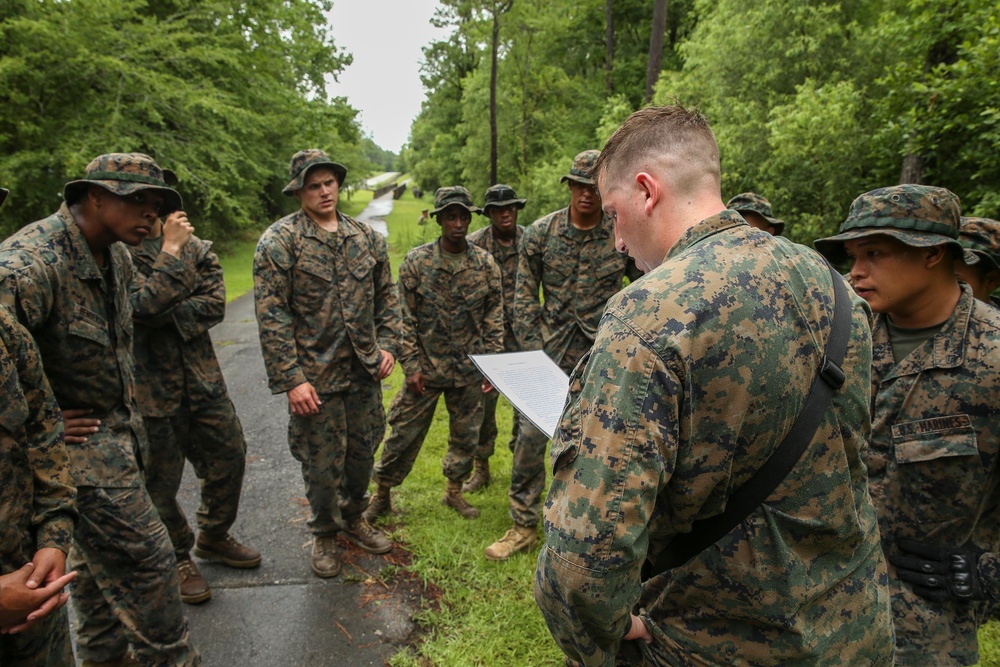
x=583 y=168
x=751 y=201
x=455 y=194
x=982 y=237
x=3 y=195
x=123 y=174
x=305 y=160
x=501 y=195
x=916 y=215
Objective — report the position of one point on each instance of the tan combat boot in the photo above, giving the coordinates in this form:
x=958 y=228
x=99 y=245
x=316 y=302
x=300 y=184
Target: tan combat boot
x=227 y=550
x=325 y=557
x=518 y=538
x=194 y=588
x=370 y=539
x=379 y=505
x=453 y=498
x=480 y=477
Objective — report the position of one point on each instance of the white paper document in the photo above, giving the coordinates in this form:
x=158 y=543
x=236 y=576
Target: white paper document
x=531 y=381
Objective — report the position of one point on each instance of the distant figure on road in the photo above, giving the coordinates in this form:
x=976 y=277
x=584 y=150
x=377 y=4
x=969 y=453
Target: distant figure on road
x=328 y=317
x=37 y=507
x=452 y=307
x=68 y=279
x=500 y=239
x=185 y=405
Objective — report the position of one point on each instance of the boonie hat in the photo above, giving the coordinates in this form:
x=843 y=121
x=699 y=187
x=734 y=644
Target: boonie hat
x=981 y=236
x=305 y=160
x=123 y=174
x=916 y=215
x=501 y=195
x=583 y=168
x=3 y=195
x=455 y=194
x=751 y=201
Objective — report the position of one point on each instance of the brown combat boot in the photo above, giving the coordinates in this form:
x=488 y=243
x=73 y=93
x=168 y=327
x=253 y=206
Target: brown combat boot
x=325 y=557
x=226 y=550
x=371 y=540
x=453 y=498
x=480 y=477
x=194 y=588
x=379 y=505
x=518 y=538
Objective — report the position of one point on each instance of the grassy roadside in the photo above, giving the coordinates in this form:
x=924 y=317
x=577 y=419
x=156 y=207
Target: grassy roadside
x=488 y=615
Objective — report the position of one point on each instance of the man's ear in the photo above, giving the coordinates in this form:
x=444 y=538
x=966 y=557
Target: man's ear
x=934 y=255
x=649 y=189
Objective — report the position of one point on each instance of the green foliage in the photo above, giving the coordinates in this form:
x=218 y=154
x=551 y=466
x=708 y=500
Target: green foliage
x=207 y=88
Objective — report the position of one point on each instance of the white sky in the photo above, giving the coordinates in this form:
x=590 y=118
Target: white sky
x=383 y=83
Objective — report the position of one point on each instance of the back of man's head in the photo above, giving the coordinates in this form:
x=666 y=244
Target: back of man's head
x=673 y=141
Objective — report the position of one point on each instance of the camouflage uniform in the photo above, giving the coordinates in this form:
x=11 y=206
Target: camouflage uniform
x=935 y=434
x=81 y=317
x=982 y=237
x=183 y=399
x=577 y=272
x=37 y=508
x=326 y=308
x=754 y=203
x=449 y=312
x=506 y=258
x=698 y=372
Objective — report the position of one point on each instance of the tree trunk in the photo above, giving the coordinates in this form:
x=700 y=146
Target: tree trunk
x=913 y=170
x=655 y=47
x=493 y=101
x=609 y=46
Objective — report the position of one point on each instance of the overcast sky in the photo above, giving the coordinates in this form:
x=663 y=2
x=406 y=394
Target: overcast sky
x=383 y=83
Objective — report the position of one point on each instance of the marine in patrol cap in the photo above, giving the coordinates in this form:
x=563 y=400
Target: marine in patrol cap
x=123 y=174
x=753 y=202
x=305 y=160
x=455 y=194
x=583 y=168
x=501 y=195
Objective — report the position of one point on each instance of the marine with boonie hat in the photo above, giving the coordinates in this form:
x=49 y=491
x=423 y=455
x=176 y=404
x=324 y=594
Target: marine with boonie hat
x=452 y=303
x=981 y=236
x=759 y=209
x=935 y=382
x=328 y=317
x=69 y=281
x=570 y=256
x=500 y=238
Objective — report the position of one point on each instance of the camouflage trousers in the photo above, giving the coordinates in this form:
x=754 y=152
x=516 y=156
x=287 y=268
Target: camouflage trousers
x=126 y=590
x=410 y=416
x=527 y=476
x=211 y=438
x=488 y=430
x=337 y=451
x=45 y=644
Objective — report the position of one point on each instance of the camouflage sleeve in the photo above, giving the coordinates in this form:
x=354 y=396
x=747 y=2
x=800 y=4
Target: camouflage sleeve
x=157 y=295
x=610 y=461
x=527 y=323
x=493 y=322
x=989 y=574
x=25 y=289
x=206 y=305
x=387 y=317
x=54 y=496
x=272 y=291
x=409 y=344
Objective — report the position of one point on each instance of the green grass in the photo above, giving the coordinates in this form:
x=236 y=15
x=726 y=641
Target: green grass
x=354 y=201
x=237 y=267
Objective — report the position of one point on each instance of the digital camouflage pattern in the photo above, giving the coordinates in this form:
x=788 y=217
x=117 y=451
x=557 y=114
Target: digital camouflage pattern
x=981 y=236
x=576 y=271
x=582 y=170
x=916 y=215
x=698 y=371
x=932 y=468
x=305 y=160
x=453 y=194
x=501 y=195
x=183 y=398
x=81 y=319
x=323 y=299
x=326 y=308
x=449 y=312
x=506 y=259
x=751 y=201
x=124 y=174
x=37 y=498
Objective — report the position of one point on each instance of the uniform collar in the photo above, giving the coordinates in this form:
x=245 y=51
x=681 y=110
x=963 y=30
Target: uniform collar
x=601 y=230
x=945 y=349
x=312 y=229
x=84 y=263
x=708 y=227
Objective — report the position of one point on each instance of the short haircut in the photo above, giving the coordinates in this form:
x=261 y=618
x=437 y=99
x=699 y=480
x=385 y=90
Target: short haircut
x=676 y=139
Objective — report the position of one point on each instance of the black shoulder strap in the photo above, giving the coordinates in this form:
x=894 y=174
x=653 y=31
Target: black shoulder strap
x=747 y=498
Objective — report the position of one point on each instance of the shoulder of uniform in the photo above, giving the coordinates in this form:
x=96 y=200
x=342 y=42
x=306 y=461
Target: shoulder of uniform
x=477 y=237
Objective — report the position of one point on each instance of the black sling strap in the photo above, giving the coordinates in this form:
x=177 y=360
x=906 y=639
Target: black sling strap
x=755 y=491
